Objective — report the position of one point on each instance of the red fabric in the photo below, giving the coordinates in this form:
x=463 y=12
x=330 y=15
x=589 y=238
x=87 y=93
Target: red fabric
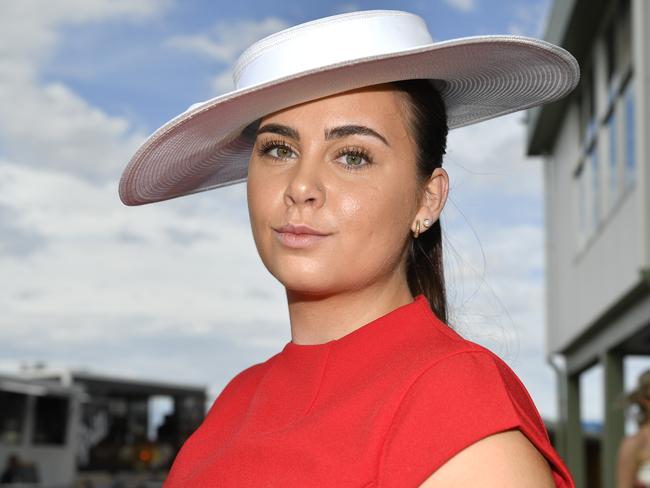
x=384 y=406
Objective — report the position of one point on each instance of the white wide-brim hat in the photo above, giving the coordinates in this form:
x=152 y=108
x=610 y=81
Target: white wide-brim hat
x=479 y=78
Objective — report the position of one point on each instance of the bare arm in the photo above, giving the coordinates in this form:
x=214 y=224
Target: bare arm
x=504 y=460
x=628 y=464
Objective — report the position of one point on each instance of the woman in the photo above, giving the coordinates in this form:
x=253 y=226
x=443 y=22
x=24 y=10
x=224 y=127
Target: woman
x=634 y=451
x=339 y=127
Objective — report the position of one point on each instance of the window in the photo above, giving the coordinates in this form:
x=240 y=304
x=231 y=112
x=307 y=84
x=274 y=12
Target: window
x=580 y=178
x=607 y=159
x=630 y=156
x=589 y=111
x=612 y=71
x=580 y=107
x=613 y=158
x=595 y=186
x=51 y=420
x=12 y=416
x=138 y=418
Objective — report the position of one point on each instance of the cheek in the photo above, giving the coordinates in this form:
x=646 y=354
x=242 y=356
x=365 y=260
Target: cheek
x=375 y=222
x=259 y=197
x=351 y=207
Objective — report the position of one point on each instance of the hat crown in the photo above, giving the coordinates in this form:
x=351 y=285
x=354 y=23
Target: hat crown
x=329 y=40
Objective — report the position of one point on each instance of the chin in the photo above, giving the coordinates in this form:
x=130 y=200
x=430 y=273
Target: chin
x=315 y=281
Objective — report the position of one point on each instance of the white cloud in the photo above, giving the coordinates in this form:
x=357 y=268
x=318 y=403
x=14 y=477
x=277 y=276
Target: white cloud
x=530 y=19
x=462 y=5
x=29 y=29
x=225 y=42
x=47 y=125
x=346 y=7
x=110 y=276
x=489 y=156
x=223 y=82
x=51 y=127
x=80 y=277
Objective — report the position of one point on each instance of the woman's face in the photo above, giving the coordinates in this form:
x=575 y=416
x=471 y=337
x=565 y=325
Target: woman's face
x=343 y=165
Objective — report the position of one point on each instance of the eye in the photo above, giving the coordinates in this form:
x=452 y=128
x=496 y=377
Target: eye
x=354 y=158
x=276 y=149
x=281 y=152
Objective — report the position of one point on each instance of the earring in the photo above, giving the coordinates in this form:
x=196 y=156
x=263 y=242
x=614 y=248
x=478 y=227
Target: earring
x=426 y=222
x=417 y=229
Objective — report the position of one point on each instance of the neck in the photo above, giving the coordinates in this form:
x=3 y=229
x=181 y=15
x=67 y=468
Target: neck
x=316 y=319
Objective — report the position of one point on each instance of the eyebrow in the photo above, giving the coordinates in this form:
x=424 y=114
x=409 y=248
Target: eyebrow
x=283 y=130
x=333 y=133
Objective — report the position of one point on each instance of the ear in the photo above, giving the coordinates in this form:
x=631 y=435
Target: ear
x=433 y=199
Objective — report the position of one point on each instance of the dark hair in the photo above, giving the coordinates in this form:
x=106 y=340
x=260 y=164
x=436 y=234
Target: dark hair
x=428 y=119
x=637 y=396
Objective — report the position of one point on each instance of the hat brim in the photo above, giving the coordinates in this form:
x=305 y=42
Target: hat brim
x=479 y=77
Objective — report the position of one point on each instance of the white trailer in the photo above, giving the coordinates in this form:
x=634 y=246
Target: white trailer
x=38 y=428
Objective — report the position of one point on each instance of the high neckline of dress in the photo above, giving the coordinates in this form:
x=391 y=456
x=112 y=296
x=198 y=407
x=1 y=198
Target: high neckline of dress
x=360 y=332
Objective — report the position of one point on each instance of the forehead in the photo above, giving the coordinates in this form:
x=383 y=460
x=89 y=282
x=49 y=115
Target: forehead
x=380 y=106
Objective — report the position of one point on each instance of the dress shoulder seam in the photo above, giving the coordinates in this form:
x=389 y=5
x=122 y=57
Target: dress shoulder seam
x=446 y=330
x=426 y=369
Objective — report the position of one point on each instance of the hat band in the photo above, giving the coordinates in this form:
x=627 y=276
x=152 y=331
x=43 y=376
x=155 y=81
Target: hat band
x=335 y=39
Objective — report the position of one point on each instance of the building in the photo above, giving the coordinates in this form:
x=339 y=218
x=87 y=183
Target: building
x=596 y=157
x=72 y=427
x=38 y=425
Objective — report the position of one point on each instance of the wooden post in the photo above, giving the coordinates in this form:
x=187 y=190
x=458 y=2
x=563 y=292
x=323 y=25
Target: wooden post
x=614 y=421
x=575 y=457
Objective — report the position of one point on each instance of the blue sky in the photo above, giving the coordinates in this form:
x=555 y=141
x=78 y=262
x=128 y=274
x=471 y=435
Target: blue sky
x=140 y=74
x=176 y=291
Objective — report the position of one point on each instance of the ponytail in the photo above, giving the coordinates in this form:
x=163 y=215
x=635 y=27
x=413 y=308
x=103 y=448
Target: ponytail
x=428 y=116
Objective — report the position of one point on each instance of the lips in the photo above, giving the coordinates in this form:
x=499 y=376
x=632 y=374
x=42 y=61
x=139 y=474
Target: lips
x=300 y=229
x=299 y=236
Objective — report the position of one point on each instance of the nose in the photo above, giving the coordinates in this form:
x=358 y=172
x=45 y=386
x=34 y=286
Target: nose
x=305 y=185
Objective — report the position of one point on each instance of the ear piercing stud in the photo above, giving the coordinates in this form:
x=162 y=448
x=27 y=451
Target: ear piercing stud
x=425 y=223
x=417 y=229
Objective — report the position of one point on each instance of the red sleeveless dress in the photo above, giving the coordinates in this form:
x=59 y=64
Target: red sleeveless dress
x=383 y=406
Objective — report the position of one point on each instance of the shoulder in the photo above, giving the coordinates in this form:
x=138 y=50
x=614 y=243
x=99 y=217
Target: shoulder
x=455 y=401
x=629 y=459
x=428 y=341
x=631 y=445
x=465 y=372
x=239 y=388
x=435 y=366
x=470 y=382
x=247 y=377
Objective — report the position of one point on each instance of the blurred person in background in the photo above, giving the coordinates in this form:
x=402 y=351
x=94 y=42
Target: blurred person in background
x=19 y=471
x=11 y=472
x=634 y=451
